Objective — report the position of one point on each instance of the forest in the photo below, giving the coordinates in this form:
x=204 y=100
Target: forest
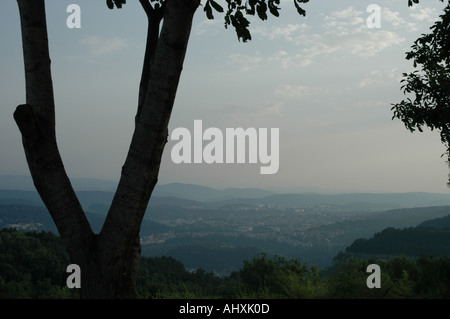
x=412 y=241
x=33 y=266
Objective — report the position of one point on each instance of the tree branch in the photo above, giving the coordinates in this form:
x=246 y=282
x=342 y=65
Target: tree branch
x=154 y=17
x=141 y=168
x=36 y=122
x=147 y=7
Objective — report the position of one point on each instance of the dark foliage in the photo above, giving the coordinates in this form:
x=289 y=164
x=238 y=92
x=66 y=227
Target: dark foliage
x=235 y=14
x=33 y=265
x=408 y=241
x=430 y=84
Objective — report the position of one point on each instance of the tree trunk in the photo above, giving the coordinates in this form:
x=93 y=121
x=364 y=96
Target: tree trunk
x=36 y=122
x=109 y=261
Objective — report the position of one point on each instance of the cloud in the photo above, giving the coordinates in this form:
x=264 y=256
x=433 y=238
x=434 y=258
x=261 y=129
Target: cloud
x=380 y=77
x=394 y=20
x=286 y=60
x=99 y=46
x=288 y=32
x=206 y=25
x=293 y=91
x=347 y=31
x=392 y=17
x=247 y=114
x=343 y=33
x=245 y=62
x=272 y=108
x=424 y=14
x=359 y=42
x=345 y=21
x=367 y=44
x=341 y=21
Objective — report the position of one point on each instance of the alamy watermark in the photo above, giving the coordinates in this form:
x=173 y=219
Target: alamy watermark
x=236 y=145
x=374 y=20
x=74 y=279
x=374 y=280
x=74 y=19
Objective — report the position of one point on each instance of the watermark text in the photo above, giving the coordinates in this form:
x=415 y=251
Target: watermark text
x=236 y=145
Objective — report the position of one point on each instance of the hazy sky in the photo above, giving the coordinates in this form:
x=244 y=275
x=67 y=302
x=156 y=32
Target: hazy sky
x=326 y=81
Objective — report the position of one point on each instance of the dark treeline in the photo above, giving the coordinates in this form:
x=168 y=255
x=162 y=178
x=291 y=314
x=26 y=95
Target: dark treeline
x=33 y=265
x=412 y=241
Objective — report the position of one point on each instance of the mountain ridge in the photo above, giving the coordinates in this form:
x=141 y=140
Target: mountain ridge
x=105 y=190
x=189 y=194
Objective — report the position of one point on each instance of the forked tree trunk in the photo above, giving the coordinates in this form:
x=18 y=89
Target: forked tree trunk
x=109 y=261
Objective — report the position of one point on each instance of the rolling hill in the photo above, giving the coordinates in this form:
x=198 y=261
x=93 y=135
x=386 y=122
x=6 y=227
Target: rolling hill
x=431 y=237
x=185 y=220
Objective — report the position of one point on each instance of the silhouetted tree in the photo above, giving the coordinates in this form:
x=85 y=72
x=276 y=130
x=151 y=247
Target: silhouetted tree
x=109 y=260
x=431 y=84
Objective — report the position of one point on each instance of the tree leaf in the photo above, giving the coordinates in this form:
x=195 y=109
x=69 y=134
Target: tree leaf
x=241 y=24
x=299 y=9
x=216 y=6
x=208 y=10
x=261 y=9
x=117 y=3
x=274 y=9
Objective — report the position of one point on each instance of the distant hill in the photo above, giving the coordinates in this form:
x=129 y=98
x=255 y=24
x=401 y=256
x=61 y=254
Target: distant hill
x=8 y=196
x=207 y=194
x=25 y=183
x=345 y=232
x=183 y=214
x=184 y=191
x=30 y=217
x=415 y=241
x=365 y=201
x=431 y=237
x=443 y=222
x=96 y=191
x=26 y=217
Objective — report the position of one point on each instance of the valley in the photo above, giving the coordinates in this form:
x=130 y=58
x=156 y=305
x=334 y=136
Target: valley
x=219 y=232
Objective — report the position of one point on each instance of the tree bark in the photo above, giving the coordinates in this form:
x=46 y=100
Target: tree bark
x=109 y=261
x=154 y=17
x=120 y=233
x=36 y=122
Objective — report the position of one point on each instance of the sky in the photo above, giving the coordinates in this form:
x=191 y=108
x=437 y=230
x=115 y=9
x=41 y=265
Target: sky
x=326 y=81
